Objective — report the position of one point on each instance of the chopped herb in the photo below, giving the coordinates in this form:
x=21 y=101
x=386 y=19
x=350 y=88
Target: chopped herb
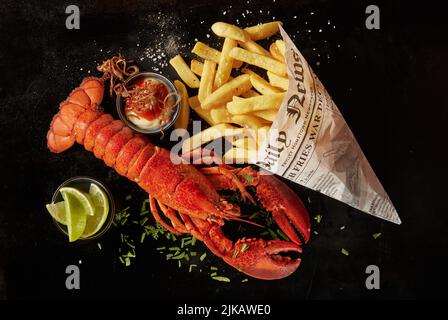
x=248 y=178
x=202 y=257
x=213 y=274
x=213 y=268
x=179 y=256
x=376 y=235
x=264 y=233
x=144 y=205
x=143 y=213
x=174 y=249
x=143 y=221
x=245 y=280
x=161 y=248
x=142 y=237
x=344 y=252
x=121 y=260
x=168 y=256
x=179 y=264
x=220 y=278
x=318 y=218
x=193 y=241
x=99 y=245
x=235 y=253
x=128 y=197
x=273 y=234
x=191 y=267
x=193 y=253
x=281 y=234
x=244 y=247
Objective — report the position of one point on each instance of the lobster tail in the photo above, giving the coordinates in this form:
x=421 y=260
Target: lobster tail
x=62 y=134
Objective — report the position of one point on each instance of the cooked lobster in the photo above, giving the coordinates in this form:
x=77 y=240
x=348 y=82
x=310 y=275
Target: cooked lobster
x=187 y=196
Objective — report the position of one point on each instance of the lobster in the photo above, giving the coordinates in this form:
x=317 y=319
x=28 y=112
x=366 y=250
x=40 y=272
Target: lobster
x=187 y=196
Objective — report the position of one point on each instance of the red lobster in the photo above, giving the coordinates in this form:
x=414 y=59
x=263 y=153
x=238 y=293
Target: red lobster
x=186 y=195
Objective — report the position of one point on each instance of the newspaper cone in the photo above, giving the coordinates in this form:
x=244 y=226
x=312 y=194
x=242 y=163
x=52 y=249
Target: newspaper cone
x=311 y=144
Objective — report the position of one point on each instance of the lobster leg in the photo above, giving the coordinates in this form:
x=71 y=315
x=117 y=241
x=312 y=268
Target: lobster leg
x=158 y=218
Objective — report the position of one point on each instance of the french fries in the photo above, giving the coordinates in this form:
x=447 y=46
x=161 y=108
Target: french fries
x=225 y=63
x=196 y=66
x=196 y=106
x=268 y=115
x=277 y=81
x=226 y=92
x=184 y=71
x=226 y=30
x=253 y=47
x=207 y=53
x=259 y=60
x=239 y=108
x=184 y=113
x=263 y=31
x=206 y=84
x=276 y=53
x=260 y=84
x=258 y=103
x=210 y=134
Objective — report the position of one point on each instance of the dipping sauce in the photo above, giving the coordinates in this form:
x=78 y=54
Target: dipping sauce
x=149 y=104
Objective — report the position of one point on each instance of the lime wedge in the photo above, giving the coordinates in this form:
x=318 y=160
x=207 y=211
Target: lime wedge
x=77 y=206
x=57 y=211
x=101 y=204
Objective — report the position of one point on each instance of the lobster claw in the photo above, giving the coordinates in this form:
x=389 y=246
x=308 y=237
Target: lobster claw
x=285 y=206
x=262 y=260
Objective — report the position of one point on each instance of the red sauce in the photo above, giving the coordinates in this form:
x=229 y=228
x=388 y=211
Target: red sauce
x=152 y=103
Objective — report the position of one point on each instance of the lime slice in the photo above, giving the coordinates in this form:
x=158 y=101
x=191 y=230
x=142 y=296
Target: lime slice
x=77 y=206
x=101 y=204
x=57 y=211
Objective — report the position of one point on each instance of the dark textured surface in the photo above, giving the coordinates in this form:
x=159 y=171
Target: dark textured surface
x=389 y=84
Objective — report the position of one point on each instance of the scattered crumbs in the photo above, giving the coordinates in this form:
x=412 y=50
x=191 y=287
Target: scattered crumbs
x=207 y=35
x=376 y=235
x=295 y=17
x=317 y=63
x=328 y=22
x=344 y=252
x=224 y=13
x=342 y=228
x=202 y=22
x=315 y=232
x=99 y=245
x=320 y=30
x=311 y=13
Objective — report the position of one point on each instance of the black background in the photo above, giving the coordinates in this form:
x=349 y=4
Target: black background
x=390 y=85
